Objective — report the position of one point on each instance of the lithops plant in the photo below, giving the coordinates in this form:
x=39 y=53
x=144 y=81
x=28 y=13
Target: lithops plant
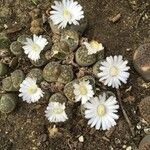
x=40 y=62
x=79 y=28
x=8 y=85
x=96 y=69
x=58 y=97
x=4 y=41
x=66 y=74
x=71 y=38
x=88 y=78
x=60 y=50
x=49 y=40
x=17 y=78
x=36 y=73
x=141 y=60
x=144 y=108
x=53 y=27
x=3 y=69
x=145 y=143
x=16 y=48
x=8 y=103
x=82 y=57
x=69 y=91
x=51 y=71
x=22 y=38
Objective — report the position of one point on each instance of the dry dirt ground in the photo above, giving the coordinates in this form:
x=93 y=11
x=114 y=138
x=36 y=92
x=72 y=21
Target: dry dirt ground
x=27 y=128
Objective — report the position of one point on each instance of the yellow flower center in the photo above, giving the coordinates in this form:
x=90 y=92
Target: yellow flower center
x=94 y=44
x=83 y=90
x=101 y=110
x=32 y=89
x=57 y=111
x=66 y=13
x=114 y=71
x=35 y=47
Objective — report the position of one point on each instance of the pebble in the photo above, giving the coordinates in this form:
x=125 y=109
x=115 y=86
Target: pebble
x=147 y=130
x=141 y=61
x=138 y=126
x=129 y=148
x=81 y=139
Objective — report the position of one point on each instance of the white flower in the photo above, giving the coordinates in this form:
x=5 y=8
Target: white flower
x=101 y=112
x=55 y=112
x=34 y=47
x=93 y=47
x=29 y=91
x=66 y=12
x=113 y=71
x=83 y=91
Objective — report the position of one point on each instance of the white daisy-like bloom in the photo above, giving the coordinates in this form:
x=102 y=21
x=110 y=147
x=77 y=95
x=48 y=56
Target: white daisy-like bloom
x=114 y=71
x=101 y=112
x=33 y=47
x=66 y=12
x=29 y=91
x=83 y=91
x=55 y=112
x=93 y=47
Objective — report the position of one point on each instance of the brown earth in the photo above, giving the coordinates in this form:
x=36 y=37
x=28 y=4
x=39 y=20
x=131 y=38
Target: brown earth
x=27 y=128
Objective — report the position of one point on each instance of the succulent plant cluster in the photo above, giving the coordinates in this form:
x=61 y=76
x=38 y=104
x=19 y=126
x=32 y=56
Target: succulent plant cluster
x=60 y=62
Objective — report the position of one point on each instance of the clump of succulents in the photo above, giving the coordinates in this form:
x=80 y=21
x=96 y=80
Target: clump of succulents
x=100 y=107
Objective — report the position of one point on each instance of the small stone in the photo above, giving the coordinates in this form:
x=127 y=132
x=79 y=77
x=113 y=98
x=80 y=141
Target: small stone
x=147 y=130
x=144 y=108
x=129 y=148
x=138 y=126
x=81 y=139
x=141 y=60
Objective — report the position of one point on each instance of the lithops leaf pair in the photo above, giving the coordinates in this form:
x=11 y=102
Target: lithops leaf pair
x=82 y=57
x=3 y=69
x=37 y=74
x=60 y=50
x=4 y=41
x=58 y=97
x=8 y=103
x=71 y=38
x=40 y=62
x=13 y=82
x=54 y=71
x=16 y=48
x=69 y=88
